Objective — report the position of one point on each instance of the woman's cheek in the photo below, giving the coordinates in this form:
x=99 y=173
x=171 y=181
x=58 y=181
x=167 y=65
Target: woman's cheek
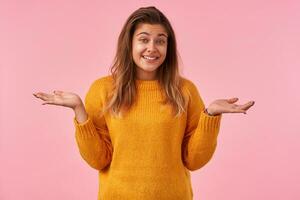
x=140 y=48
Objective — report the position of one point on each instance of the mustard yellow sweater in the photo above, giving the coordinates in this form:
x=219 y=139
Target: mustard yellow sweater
x=147 y=154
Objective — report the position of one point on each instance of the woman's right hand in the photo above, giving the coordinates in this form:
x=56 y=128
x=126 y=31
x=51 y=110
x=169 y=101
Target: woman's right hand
x=60 y=98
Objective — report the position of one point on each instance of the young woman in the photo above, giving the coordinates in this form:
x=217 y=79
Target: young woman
x=145 y=126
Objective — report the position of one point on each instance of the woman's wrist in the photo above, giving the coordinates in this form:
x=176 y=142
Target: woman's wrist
x=208 y=113
x=80 y=113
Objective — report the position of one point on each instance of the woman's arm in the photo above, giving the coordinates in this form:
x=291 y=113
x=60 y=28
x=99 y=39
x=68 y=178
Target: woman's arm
x=93 y=140
x=80 y=113
x=203 y=125
x=200 y=138
x=91 y=133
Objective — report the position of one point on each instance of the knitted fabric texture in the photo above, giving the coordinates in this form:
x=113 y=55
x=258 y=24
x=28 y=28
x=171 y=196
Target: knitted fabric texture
x=149 y=153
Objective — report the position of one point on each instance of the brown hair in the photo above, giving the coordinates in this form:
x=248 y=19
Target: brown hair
x=123 y=68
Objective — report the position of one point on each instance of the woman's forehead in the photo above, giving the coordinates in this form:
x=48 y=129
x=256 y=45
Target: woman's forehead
x=150 y=29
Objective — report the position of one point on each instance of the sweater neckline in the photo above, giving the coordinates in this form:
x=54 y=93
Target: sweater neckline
x=147 y=84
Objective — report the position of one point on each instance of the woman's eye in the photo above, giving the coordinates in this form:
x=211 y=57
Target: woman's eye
x=158 y=41
x=161 y=41
x=144 y=40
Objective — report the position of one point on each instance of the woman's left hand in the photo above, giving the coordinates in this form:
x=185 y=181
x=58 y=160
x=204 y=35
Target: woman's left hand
x=220 y=106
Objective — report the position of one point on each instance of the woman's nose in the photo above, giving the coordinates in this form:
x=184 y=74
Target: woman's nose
x=151 y=46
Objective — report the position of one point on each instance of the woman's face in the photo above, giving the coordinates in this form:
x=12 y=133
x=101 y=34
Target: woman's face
x=149 y=49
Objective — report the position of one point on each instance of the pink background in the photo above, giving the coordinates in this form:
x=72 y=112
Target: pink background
x=248 y=49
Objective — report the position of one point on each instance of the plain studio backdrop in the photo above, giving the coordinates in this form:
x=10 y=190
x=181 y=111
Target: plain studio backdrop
x=248 y=49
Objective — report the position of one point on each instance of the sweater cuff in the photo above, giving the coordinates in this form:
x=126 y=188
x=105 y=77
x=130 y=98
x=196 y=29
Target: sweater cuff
x=210 y=124
x=85 y=130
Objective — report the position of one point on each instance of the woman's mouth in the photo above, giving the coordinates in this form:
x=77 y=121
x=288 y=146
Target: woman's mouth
x=150 y=58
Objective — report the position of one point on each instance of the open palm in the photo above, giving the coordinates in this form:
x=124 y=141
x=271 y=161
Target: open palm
x=60 y=98
x=228 y=106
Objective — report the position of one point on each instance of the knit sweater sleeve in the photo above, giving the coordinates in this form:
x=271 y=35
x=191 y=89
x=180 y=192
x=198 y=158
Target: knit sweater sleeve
x=92 y=136
x=200 y=138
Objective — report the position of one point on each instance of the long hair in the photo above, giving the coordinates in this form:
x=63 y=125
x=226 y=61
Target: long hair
x=123 y=68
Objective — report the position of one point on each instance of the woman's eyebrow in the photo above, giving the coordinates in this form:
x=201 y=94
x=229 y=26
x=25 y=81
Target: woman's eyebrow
x=160 y=34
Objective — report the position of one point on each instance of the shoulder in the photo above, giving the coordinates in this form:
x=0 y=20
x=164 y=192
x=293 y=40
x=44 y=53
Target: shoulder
x=103 y=81
x=100 y=88
x=189 y=87
x=101 y=84
x=191 y=93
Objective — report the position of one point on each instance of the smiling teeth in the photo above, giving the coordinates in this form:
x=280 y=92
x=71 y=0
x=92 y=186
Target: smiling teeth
x=150 y=58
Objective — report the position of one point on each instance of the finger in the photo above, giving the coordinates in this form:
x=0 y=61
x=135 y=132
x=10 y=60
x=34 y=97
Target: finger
x=58 y=92
x=46 y=102
x=247 y=105
x=238 y=111
x=232 y=100
x=44 y=96
x=49 y=103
